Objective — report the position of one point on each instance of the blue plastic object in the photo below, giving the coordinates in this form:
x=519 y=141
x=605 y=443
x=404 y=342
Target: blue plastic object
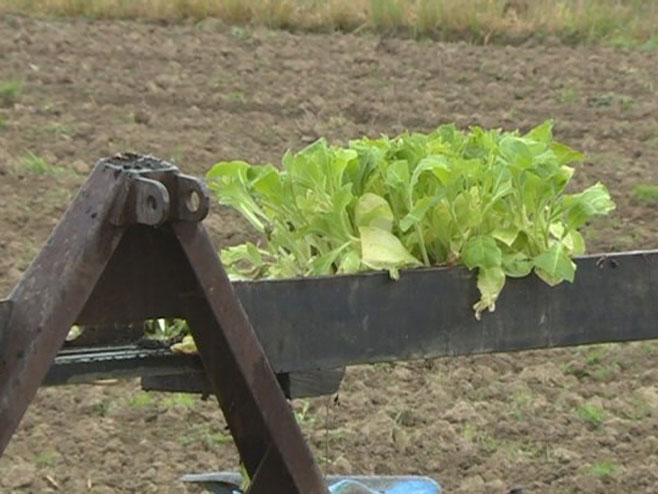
x=227 y=482
x=379 y=485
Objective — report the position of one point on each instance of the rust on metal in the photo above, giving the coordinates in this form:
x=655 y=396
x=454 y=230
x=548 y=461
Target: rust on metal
x=52 y=292
x=238 y=369
x=5 y=313
x=131 y=247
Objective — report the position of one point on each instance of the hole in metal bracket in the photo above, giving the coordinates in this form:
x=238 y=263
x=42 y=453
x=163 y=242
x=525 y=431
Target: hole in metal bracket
x=152 y=203
x=193 y=201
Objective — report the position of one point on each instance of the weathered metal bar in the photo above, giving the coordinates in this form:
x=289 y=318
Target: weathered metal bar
x=256 y=412
x=294 y=385
x=311 y=324
x=5 y=313
x=52 y=292
x=161 y=370
x=74 y=366
x=326 y=323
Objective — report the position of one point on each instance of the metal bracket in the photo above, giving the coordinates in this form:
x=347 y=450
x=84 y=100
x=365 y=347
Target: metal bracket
x=155 y=192
x=129 y=248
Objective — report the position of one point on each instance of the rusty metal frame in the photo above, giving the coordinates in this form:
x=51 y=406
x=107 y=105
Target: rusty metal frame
x=130 y=247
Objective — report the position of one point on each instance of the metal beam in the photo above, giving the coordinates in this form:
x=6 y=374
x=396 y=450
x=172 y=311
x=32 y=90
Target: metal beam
x=80 y=365
x=310 y=324
x=161 y=370
x=261 y=422
x=327 y=323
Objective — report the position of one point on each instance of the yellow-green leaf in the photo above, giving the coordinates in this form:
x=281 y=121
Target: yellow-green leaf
x=506 y=235
x=383 y=250
x=373 y=210
x=554 y=265
x=490 y=284
x=481 y=251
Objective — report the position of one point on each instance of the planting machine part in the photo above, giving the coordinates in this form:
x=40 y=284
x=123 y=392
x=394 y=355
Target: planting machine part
x=162 y=370
x=87 y=364
x=294 y=384
x=332 y=322
x=310 y=326
x=129 y=248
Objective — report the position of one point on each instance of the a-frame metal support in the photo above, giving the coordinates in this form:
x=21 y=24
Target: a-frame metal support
x=131 y=247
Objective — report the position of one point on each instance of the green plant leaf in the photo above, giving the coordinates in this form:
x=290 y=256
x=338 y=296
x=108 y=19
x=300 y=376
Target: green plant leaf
x=517 y=264
x=554 y=265
x=268 y=183
x=579 y=208
x=350 y=262
x=506 y=235
x=468 y=209
x=437 y=165
x=481 y=251
x=228 y=169
x=373 y=210
x=516 y=151
x=565 y=154
x=397 y=174
x=490 y=284
x=417 y=214
x=542 y=133
x=489 y=199
x=574 y=243
x=383 y=250
x=557 y=229
x=243 y=261
x=229 y=180
x=322 y=265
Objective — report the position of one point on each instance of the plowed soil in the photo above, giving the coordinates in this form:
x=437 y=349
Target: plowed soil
x=570 y=420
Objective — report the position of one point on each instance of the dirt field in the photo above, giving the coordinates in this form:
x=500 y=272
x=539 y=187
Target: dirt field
x=574 y=420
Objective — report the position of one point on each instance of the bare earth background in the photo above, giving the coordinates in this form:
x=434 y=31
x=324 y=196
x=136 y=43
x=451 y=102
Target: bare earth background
x=574 y=420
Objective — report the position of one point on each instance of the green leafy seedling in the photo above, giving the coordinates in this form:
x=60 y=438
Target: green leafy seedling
x=647 y=193
x=181 y=400
x=491 y=200
x=603 y=468
x=303 y=415
x=595 y=355
x=568 y=95
x=237 y=96
x=591 y=413
x=10 y=91
x=35 y=164
x=45 y=459
x=141 y=399
x=217 y=438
